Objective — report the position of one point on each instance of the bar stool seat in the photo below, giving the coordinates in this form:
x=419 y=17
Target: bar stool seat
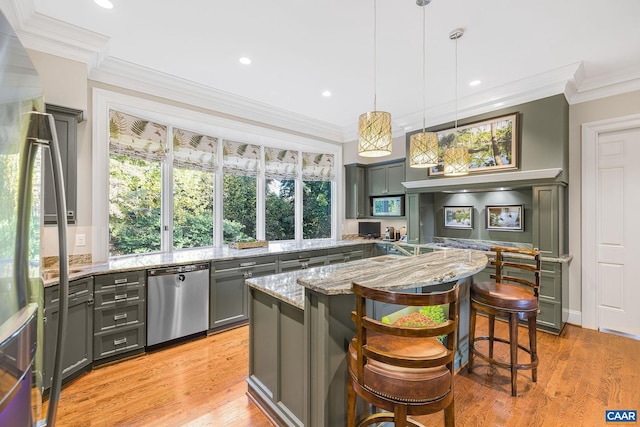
x=511 y=296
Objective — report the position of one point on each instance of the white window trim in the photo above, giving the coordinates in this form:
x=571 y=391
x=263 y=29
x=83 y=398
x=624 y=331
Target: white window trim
x=220 y=127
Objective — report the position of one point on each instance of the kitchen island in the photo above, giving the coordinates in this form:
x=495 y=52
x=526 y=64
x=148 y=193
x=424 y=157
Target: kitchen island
x=300 y=328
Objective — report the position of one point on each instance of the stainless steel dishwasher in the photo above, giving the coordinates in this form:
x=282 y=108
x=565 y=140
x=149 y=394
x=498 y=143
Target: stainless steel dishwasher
x=177 y=302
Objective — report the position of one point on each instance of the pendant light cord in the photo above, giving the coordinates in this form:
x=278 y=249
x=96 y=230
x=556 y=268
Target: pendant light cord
x=456 y=89
x=375 y=33
x=424 y=68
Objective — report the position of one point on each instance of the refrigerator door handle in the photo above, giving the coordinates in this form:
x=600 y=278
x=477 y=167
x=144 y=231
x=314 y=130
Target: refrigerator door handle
x=42 y=131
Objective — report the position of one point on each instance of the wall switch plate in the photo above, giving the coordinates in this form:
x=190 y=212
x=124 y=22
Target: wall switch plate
x=81 y=239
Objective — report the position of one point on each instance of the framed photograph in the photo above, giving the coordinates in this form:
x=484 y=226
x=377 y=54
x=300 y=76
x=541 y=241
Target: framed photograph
x=458 y=217
x=492 y=144
x=505 y=218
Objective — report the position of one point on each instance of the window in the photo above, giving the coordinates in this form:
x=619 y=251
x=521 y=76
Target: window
x=317 y=175
x=137 y=149
x=239 y=201
x=194 y=165
x=280 y=185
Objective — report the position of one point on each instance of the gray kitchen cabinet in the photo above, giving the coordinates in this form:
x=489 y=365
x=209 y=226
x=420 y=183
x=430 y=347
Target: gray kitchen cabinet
x=78 y=344
x=356 y=200
x=66 y=120
x=228 y=293
x=302 y=260
x=345 y=254
x=549 y=219
x=412 y=212
x=119 y=315
x=386 y=178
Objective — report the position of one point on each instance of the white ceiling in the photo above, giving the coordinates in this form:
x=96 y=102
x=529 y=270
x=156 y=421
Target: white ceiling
x=520 y=50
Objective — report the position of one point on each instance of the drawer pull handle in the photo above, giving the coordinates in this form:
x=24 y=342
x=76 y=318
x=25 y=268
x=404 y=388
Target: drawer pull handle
x=120 y=316
x=247 y=264
x=120 y=341
x=120 y=297
x=119 y=281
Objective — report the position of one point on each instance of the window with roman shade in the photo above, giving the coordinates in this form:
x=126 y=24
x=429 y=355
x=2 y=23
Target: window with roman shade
x=240 y=158
x=194 y=151
x=317 y=167
x=136 y=137
x=280 y=164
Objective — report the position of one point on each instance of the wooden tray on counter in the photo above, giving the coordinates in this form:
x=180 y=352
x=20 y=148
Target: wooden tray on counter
x=248 y=245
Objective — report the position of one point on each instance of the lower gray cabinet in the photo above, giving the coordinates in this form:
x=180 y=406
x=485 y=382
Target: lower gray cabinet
x=228 y=293
x=119 y=315
x=302 y=260
x=345 y=254
x=78 y=344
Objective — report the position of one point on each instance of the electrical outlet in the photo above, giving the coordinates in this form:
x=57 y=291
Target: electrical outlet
x=81 y=239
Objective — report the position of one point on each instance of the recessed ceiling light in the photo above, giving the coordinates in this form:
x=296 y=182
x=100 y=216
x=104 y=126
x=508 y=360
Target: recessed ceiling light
x=104 y=3
x=474 y=83
x=498 y=104
x=244 y=60
x=326 y=93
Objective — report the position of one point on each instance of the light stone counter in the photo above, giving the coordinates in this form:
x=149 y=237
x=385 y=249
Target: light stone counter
x=388 y=272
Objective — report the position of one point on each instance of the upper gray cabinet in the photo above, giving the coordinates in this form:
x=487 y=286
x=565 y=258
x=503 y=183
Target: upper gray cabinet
x=356 y=199
x=66 y=120
x=386 y=178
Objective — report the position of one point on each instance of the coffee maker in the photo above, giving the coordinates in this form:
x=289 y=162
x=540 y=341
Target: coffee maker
x=389 y=233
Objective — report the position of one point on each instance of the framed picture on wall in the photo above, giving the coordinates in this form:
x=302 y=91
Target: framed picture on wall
x=458 y=217
x=505 y=217
x=492 y=144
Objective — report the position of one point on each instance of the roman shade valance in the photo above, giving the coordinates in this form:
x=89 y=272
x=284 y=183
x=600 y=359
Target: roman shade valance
x=241 y=158
x=194 y=151
x=280 y=164
x=136 y=137
x=317 y=167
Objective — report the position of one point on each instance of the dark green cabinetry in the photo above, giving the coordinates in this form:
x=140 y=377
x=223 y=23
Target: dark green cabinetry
x=78 y=344
x=356 y=196
x=119 y=315
x=412 y=212
x=228 y=293
x=549 y=219
x=386 y=179
x=302 y=260
x=66 y=120
x=344 y=254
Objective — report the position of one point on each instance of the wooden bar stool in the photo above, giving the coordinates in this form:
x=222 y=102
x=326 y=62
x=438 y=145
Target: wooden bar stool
x=513 y=295
x=405 y=370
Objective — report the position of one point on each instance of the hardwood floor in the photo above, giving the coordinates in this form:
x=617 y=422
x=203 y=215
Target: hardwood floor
x=202 y=383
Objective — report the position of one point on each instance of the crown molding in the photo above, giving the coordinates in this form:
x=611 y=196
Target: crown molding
x=583 y=89
x=141 y=79
x=486 y=179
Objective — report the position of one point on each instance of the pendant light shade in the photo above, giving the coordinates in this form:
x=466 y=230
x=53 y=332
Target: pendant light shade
x=456 y=161
x=456 y=157
x=423 y=150
x=423 y=146
x=374 y=127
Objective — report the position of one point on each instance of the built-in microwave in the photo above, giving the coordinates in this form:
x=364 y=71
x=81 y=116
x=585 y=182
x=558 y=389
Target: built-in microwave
x=387 y=206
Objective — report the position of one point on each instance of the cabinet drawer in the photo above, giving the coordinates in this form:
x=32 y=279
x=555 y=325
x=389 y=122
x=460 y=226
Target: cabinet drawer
x=118 y=296
x=77 y=290
x=304 y=255
x=255 y=263
x=120 y=340
x=117 y=316
x=110 y=281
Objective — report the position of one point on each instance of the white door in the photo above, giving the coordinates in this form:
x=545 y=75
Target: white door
x=612 y=226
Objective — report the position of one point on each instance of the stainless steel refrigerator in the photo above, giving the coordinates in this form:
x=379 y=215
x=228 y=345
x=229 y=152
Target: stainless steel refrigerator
x=27 y=138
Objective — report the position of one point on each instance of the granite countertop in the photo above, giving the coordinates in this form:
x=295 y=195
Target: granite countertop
x=388 y=272
x=190 y=256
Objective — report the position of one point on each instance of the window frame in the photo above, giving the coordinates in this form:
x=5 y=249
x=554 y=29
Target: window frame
x=209 y=124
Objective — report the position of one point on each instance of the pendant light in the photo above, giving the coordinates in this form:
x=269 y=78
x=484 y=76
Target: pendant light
x=456 y=157
x=423 y=146
x=374 y=127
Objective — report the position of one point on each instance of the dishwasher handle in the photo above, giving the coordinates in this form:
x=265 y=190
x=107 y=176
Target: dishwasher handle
x=177 y=270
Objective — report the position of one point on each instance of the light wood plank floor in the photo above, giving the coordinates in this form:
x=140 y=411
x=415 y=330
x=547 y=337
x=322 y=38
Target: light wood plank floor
x=202 y=383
